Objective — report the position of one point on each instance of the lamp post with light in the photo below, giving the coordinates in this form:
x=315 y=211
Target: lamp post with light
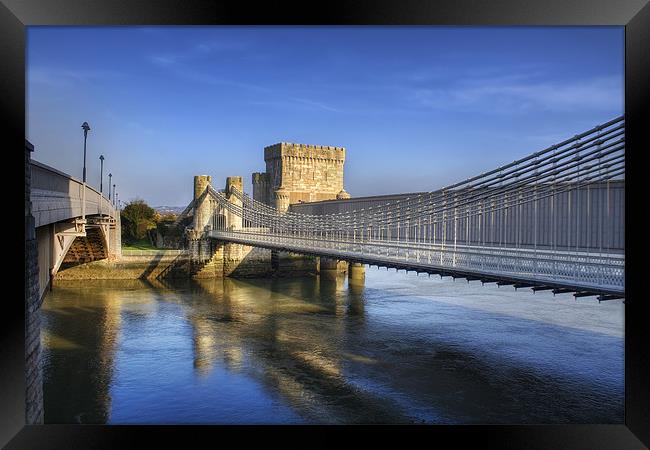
x=101 y=173
x=83 y=195
x=101 y=183
x=86 y=128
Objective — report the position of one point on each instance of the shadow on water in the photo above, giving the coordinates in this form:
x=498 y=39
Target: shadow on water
x=327 y=350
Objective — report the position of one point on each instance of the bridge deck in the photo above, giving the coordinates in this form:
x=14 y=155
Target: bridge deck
x=574 y=271
x=57 y=197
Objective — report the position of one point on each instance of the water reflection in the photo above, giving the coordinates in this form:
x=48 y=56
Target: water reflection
x=310 y=350
x=80 y=363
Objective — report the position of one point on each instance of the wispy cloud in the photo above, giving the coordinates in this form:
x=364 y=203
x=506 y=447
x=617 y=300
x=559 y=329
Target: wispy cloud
x=315 y=104
x=517 y=93
x=180 y=65
x=163 y=60
x=64 y=78
x=203 y=77
x=137 y=126
x=220 y=46
x=293 y=103
x=197 y=51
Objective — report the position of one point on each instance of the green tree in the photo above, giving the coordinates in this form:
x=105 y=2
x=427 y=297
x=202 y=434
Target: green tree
x=137 y=217
x=166 y=225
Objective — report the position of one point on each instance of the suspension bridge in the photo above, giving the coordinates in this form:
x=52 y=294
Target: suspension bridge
x=553 y=220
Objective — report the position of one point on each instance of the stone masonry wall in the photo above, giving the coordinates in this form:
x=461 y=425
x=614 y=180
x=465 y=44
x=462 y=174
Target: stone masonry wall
x=261 y=188
x=33 y=364
x=307 y=172
x=212 y=267
x=128 y=267
x=213 y=259
x=246 y=261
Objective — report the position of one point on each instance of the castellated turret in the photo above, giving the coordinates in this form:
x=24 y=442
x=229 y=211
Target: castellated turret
x=343 y=195
x=201 y=210
x=234 y=220
x=304 y=173
x=281 y=199
x=261 y=188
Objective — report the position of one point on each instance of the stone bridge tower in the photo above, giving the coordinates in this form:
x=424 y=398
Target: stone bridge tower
x=202 y=211
x=234 y=221
x=300 y=173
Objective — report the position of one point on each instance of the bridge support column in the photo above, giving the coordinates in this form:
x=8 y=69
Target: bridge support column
x=356 y=273
x=356 y=303
x=201 y=253
x=330 y=267
x=199 y=249
x=115 y=239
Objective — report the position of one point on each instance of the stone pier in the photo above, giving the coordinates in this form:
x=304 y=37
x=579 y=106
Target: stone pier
x=331 y=268
x=356 y=273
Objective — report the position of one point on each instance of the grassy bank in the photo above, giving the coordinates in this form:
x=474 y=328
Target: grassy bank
x=142 y=244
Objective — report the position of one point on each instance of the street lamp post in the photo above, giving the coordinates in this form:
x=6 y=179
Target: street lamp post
x=85 y=127
x=110 y=175
x=101 y=173
x=83 y=194
x=101 y=183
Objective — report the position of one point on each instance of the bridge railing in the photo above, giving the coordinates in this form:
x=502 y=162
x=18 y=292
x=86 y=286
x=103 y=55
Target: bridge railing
x=592 y=271
x=57 y=196
x=556 y=215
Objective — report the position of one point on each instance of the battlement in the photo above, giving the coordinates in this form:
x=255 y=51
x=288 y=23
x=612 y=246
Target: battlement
x=260 y=177
x=305 y=146
x=299 y=173
x=290 y=149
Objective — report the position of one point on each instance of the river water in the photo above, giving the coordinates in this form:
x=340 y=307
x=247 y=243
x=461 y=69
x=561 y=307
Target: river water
x=400 y=349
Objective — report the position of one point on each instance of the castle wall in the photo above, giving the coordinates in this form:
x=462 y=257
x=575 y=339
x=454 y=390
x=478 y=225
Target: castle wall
x=307 y=172
x=261 y=188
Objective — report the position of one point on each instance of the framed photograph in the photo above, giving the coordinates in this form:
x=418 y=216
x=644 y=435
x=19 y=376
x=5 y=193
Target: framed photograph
x=362 y=214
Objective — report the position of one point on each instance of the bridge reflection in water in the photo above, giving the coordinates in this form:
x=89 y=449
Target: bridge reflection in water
x=400 y=349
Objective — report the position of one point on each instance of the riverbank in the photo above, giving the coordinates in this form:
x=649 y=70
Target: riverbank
x=134 y=264
x=227 y=260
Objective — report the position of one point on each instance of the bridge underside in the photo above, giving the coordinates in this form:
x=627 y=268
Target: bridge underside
x=90 y=247
x=77 y=241
x=517 y=281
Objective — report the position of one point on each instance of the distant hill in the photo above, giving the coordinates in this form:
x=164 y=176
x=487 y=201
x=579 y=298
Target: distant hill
x=169 y=209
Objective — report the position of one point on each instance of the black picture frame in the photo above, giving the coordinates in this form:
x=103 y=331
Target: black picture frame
x=15 y=15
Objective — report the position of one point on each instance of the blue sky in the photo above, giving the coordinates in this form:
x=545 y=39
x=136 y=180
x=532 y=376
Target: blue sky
x=417 y=108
